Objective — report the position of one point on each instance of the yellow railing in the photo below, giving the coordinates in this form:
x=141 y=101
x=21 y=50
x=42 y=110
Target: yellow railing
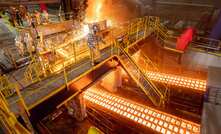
x=6 y=87
x=56 y=59
x=73 y=51
x=10 y=125
x=146 y=66
x=138 y=76
x=9 y=89
x=201 y=44
x=137 y=32
x=34 y=71
x=8 y=121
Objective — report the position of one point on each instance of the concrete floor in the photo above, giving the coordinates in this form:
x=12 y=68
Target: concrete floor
x=211 y=123
x=65 y=124
x=192 y=65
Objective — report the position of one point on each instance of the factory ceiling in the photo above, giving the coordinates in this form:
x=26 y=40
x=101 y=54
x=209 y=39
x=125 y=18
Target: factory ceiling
x=4 y=3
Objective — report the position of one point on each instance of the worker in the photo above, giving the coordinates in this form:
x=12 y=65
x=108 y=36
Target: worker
x=40 y=42
x=95 y=28
x=19 y=45
x=28 y=19
x=12 y=13
x=18 y=17
x=22 y=12
x=44 y=10
x=37 y=17
x=45 y=15
x=94 y=48
x=28 y=43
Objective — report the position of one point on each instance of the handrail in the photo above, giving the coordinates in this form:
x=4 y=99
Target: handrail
x=148 y=61
x=137 y=30
x=198 y=42
x=6 y=87
x=30 y=93
x=10 y=121
x=150 y=84
x=33 y=71
x=137 y=66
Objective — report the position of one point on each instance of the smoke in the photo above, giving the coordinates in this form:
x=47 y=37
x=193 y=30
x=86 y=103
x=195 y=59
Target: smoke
x=117 y=11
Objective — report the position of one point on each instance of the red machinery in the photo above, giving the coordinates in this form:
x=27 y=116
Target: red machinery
x=185 y=38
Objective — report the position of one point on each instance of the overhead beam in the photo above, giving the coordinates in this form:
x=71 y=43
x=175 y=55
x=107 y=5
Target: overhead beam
x=184 y=4
x=26 y=2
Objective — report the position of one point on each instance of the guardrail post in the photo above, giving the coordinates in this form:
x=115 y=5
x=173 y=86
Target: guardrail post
x=65 y=76
x=112 y=48
x=138 y=25
x=145 y=27
x=24 y=110
x=74 y=51
x=22 y=100
x=91 y=55
x=25 y=116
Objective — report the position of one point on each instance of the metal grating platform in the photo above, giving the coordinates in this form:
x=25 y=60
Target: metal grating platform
x=211 y=123
x=40 y=91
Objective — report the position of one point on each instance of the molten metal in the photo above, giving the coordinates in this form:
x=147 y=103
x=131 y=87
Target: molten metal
x=146 y=116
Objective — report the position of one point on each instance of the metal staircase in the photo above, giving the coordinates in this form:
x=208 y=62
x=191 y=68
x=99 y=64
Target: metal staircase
x=9 y=124
x=153 y=93
x=8 y=121
x=137 y=31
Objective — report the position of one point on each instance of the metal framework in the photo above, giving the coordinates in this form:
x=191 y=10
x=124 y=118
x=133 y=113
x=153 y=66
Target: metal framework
x=120 y=41
x=137 y=31
x=6 y=87
x=8 y=121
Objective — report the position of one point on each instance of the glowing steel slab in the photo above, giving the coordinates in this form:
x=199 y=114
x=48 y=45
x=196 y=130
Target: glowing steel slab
x=176 y=80
x=146 y=116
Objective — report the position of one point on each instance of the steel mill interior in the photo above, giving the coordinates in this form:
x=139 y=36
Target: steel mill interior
x=110 y=66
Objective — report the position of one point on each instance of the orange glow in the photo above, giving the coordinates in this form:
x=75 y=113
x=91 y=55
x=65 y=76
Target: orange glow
x=146 y=116
x=96 y=12
x=63 y=53
x=171 y=79
x=175 y=80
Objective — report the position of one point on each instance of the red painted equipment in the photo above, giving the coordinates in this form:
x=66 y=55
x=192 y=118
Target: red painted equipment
x=184 y=40
x=43 y=7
